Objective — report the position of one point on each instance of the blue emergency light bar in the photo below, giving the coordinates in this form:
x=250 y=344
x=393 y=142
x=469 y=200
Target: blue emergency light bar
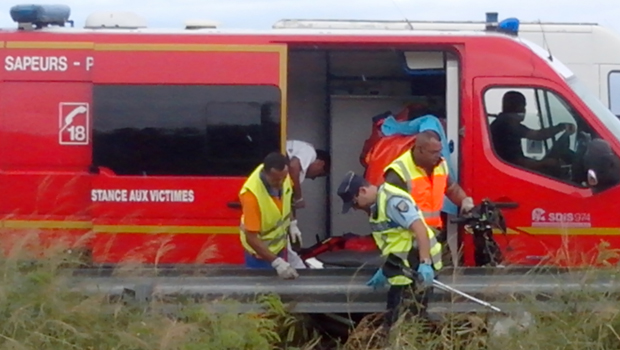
x=41 y=15
x=509 y=26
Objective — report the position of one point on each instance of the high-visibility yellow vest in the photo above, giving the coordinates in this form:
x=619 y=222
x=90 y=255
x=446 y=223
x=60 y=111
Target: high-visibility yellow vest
x=274 y=223
x=392 y=238
x=428 y=193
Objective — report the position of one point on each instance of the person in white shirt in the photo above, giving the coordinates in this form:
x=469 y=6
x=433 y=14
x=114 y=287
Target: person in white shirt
x=305 y=162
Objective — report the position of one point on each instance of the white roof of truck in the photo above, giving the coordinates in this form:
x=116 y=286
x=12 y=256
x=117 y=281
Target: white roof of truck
x=129 y=23
x=423 y=25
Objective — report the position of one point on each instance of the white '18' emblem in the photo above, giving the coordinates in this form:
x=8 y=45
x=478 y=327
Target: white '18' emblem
x=73 y=123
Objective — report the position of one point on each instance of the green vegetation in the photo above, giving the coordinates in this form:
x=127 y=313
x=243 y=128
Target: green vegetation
x=586 y=320
x=40 y=311
x=595 y=330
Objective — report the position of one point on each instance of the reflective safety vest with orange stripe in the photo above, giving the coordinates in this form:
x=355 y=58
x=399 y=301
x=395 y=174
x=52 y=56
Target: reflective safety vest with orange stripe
x=394 y=239
x=428 y=192
x=274 y=223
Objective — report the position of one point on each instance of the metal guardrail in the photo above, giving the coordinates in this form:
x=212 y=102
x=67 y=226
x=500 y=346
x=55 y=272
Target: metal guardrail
x=344 y=290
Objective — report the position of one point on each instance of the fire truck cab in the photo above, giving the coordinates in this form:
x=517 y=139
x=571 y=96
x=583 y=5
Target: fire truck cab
x=134 y=142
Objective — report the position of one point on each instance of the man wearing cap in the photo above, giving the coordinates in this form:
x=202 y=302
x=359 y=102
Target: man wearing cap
x=398 y=228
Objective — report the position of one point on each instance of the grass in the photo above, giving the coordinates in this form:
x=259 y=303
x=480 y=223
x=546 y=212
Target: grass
x=38 y=310
x=587 y=320
x=552 y=331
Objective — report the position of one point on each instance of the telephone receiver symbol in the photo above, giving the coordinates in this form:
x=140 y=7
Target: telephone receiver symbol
x=76 y=111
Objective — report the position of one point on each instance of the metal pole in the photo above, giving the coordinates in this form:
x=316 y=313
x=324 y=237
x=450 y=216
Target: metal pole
x=396 y=264
x=447 y=288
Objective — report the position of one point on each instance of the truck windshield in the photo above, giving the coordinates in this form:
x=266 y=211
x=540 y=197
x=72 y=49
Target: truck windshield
x=603 y=113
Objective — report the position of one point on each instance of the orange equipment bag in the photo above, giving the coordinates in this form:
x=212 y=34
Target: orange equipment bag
x=383 y=153
x=380 y=150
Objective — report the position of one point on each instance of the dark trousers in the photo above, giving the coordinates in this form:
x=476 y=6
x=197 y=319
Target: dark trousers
x=411 y=297
x=406 y=298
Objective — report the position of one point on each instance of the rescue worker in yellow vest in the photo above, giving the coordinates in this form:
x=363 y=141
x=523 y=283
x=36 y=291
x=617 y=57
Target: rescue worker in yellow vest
x=423 y=172
x=398 y=228
x=266 y=199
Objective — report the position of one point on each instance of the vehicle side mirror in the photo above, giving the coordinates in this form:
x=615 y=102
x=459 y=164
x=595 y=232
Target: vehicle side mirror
x=591 y=178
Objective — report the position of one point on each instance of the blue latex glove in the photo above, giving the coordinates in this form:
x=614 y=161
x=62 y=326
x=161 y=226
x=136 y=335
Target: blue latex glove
x=427 y=273
x=378 y=280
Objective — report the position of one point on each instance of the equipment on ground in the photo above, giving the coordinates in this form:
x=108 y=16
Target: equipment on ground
x=395 y=265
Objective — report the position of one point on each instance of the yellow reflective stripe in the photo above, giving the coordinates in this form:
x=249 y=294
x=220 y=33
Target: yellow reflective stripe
x=48 y=224
x=156 y=229
x=273 y=219
x=275 y=241
x=402 y=241
x=280 y=223
x=404 y=173
x=417 y=172
x=115 y=229
x=558 y=230
x=435 y=246
x=399 y=281
x=436 y=256
x=207 y=229
x=444 y=164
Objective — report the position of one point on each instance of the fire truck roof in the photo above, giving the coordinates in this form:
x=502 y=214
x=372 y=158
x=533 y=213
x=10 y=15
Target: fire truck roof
x=53 y=19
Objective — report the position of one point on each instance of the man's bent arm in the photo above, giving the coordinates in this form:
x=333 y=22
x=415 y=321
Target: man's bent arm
x=543 y=134
x=405 y=213
x=455 y=193
x=295 y=171
x=252 y=223
x=259 y=246
x=421 y=235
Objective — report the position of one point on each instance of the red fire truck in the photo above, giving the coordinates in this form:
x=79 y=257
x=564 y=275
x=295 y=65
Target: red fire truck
x=133 y=142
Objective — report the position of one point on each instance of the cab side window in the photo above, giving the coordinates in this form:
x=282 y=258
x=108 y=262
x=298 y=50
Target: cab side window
x=176 y=130
x=537 y=130
x=614 y=93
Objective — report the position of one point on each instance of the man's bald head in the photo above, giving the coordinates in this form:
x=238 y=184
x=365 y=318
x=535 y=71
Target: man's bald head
x=426 y=137
x=427 y=149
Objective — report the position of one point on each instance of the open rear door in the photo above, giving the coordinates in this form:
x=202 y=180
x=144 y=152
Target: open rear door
x=453 y=133
x=176 y=130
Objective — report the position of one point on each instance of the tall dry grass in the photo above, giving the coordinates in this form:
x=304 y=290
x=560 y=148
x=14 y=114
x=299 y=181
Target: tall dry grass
x=39 y=310
x=583 y=319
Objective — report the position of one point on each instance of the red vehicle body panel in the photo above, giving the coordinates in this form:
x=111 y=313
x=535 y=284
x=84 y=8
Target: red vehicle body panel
x=47 y=187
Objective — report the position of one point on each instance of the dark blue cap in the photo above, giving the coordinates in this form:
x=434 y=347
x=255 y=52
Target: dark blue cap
x=349 y=188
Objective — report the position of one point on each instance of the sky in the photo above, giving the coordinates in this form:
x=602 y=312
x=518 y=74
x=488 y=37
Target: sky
x=262 y=14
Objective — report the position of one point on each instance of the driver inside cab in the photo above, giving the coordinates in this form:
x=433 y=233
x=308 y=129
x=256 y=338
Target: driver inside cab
x=507 y=131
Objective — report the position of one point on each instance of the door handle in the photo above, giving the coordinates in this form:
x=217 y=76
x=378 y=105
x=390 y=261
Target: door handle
x=234 y=205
